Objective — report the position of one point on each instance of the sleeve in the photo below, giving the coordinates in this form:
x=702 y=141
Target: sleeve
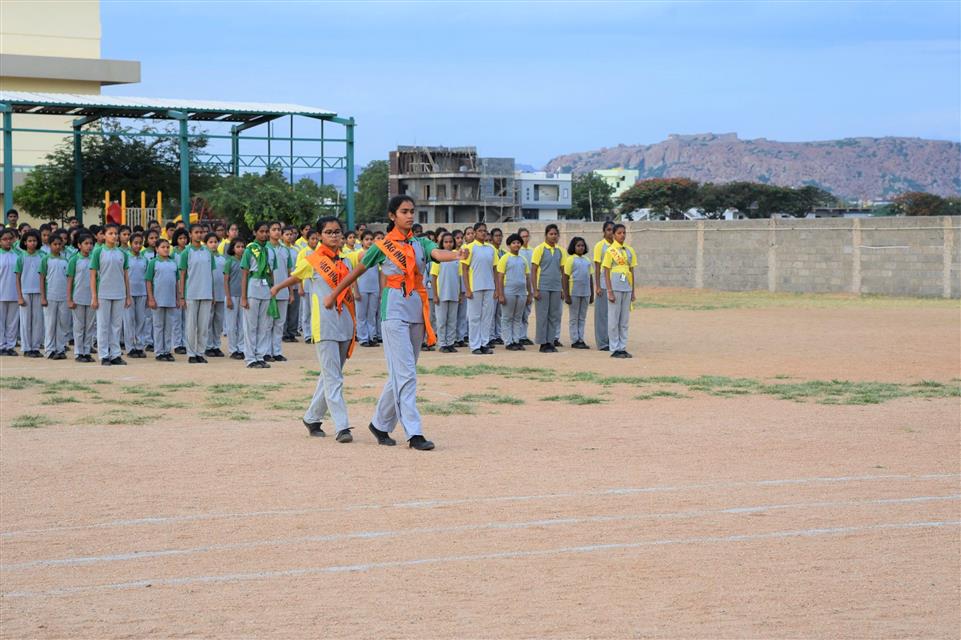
x=606 y=263
x=19 y=267
x=502 y=264
x=373 y=257
x=470 y=253
x=428 y=246
x=213 y=261
x=569 y=267
x=245 y=259
x=633 y=256
x=303 y=270
x=43 y=264
x=95 y=260
x=435 y=269
x=148 y=275
x=597 y=251
x=72 y=265
x=537 y=255
x=184 y=260
x=126 y=261
x=226 y=269
x=290 y=260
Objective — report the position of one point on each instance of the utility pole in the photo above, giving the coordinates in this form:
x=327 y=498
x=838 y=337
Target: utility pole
x=590 y=199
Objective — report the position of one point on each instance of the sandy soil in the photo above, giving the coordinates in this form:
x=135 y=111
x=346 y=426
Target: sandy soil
x=691 y=517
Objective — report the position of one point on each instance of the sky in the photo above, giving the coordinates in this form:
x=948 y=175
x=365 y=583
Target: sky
x=539 y=79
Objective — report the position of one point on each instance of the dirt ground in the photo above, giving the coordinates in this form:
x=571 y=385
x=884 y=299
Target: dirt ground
x=674 y=506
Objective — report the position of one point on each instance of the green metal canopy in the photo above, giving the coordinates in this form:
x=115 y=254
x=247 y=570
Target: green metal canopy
x=90 y=108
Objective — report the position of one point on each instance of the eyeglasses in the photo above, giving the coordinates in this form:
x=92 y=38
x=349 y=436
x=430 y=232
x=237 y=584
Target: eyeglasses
x=333 y=232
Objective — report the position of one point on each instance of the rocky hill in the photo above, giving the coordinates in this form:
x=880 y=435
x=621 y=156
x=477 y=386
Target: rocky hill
x=865 y=168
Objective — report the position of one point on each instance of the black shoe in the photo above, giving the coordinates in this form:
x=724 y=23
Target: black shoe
x=280 y=359
x=202 y=360
x=159 y=357
x=527 y=341
x=60 y=355
x=88 y=358
x=264 y=365
x=181 y=351
x=77 y=358
x=169 y=357
x=209 y=353
x=268 y=358
x=478 y=352
x=557 y=343
x=625 y=354
x=497 y=341
x=617 y=354
x=460 y=343
x=50 y=355
x=487 y=351
x=420 y=443
x=344 y=436
x=308 y=340
x=368 y=344
x=604 y=349
x=193 y=360
x=513 y=347
x=256 y=365
x=288 y=339
x=105 y=363
x=547 y=348
x=218 y=353
x=382 y=436
x=424 y=347
x=141 y=353
x=118 y=360
x=313 y=428
x=236 y=355
x=150 y=348
x=71 y=342
x=32 y=354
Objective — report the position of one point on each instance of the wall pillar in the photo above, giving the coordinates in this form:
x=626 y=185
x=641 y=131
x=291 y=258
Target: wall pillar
x=948 y=245
x=772 y=255
x=699 y=257
x=856 y=256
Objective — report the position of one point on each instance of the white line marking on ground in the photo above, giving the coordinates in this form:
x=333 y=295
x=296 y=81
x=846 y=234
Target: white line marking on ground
x=504 y=555
x=429 y=504
x=550 y=522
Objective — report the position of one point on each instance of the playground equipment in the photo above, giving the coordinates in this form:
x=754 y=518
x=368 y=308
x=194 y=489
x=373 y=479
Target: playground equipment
x=133 y=216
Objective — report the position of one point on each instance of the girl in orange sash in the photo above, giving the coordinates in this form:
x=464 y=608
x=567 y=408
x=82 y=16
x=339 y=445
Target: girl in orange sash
x=331 y=329
x=405 y=318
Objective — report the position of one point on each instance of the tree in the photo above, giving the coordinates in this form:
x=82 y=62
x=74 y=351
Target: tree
x=114 y=161
x=591 y=192
x=372 y=192
x=673 y=196
x=251 y=197
x=917 y=203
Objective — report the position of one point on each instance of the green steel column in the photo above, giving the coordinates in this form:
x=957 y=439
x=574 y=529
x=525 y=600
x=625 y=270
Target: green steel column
x=184 y=168
x=7 y=159
x=234 y=151
x=321 y=155
x=350 y=173
x=77 y=175
x=291 y=150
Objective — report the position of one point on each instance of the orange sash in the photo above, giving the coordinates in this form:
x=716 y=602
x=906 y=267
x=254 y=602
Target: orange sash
x=333 y=273
x=405 y=259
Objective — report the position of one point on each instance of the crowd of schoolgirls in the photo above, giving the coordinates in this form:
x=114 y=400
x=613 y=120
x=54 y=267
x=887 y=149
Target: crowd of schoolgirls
x=173 y=291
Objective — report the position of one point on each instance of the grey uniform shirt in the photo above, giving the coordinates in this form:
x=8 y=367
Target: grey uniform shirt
x=8 y=275
x=283 y=263
x=448 y=281
x=234 y=276
x=334 y=325
x=218 y=278
x=199 y=265
x=29 y=269
x=549 y=268
x=109 y=265
x=163 y=273
x=369 y=281
x=580 y=277
x=79 y=269
x=481 y=261
x=394 y=304
x=54 y=270
x=136 y=270
x=599 y=250
x=515 y=276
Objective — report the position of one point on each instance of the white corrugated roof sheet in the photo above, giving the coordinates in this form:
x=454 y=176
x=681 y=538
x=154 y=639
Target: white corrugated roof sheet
x=61 y=101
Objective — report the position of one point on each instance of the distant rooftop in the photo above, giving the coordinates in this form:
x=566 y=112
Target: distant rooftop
x=77 y=104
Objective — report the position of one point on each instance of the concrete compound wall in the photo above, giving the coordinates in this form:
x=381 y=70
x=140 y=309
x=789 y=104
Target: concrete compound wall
x=886 y=256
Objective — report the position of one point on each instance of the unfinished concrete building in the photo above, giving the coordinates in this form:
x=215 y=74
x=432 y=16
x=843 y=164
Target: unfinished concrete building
x=452 y=185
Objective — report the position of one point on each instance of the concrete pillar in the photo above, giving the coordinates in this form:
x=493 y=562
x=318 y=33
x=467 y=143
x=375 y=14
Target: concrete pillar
x=948 y=245
x=772 y=255
x=856 y=256
x=699 y=257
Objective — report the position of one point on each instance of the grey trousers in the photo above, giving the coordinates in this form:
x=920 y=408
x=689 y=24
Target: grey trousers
x=513 y=318
x=198 y=324
x=234 y=324
x=496 y=322
x=257 y=327
x=600 y=320
x=293 y=315
x=215 y=330
x=548 y=317
x=31 y=323
x=447 y=323
x=134 y=319
x=463 y=327
x=367 y=317
x=398 y=400
x=527 y=315
x=109 y=325
x=329 y=394
x=163 y=329
x=147 y=337
x=179 y=340
x=275 y=346
x=9 y=323
x=55 y=323
x=480 y=318
x=84 y=329
x=618 y=317
x=578 y=316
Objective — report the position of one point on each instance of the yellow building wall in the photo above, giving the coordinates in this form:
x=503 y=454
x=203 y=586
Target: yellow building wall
x=66 y=28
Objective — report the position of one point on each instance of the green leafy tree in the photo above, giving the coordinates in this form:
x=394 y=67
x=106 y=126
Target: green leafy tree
x=115 y=161
x=672 y=196
x=591 y=192
x=917 y=203
x=372 y=192
x=251 y=197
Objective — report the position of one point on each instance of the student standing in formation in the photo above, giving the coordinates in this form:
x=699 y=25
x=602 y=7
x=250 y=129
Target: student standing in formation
x=462 y=326
x=497 y=238
x=600 y=283
x=546 y=264
x=478 y=273
x=513 y=291
x=135 y=316
x=233 y=232
x=177 y=248
x=446 y=278
x=313 y=239
x=9 y=307
x=149 y=253
x=618 y=265
x=196 y=291
x=28 y=292
x=110 y=294
x=234 y=317
x=161 y=279
x=215 y=330
x=53 y=299
x=257 y=266
x=578 y=285
x=527 y=253
x=406 y=319
x=332 y=330
x=292 y=322
x=282 y=263
x=368 y=297
x=79 y=298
